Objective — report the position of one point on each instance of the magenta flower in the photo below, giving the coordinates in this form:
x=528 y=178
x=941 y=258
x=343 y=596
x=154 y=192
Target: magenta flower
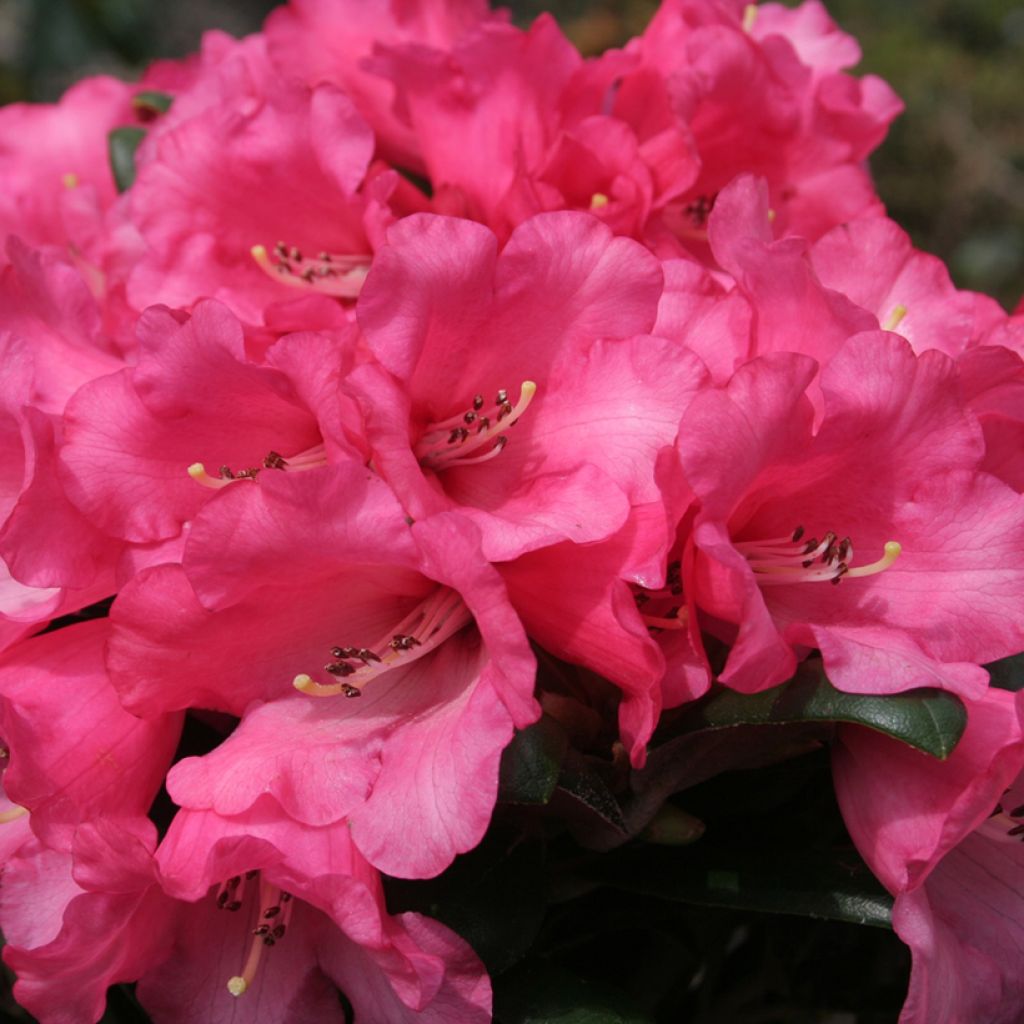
x=864 y=539
x=321 y=569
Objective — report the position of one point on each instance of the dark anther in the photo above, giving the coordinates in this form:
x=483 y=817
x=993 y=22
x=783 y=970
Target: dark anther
x=500 y=443
x=351 y=691
x=1017 y=830
x=810 y=546
x=233 y=905
x=226 y=474
x=365 y=655
x=470 y=417
x=295 y=254
x=797 y=534
x=278 y=932
x=485 y=422
x=501 y=398
x=280 y=249
x=672 y=613
x=285 y=897
x=403 y=642
x=339 y=668
x=222 y=899
x=807 y=563
x=458 y=434
x=843 y=551
x=324 y=257
x=234 y=882
x=478 y=402
x=263 y=929
x=641 y=599
x=505 y=410
x=272 y=460
x=271 y=911
x=269 y=940
x=343 y=652
x=1017 y=812
x=308 y=274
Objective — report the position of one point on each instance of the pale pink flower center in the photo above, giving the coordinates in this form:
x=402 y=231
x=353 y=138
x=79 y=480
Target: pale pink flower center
x=311 y=458
x=427 y=626
x=273 y=916
x=338 y=274
x=791 y=559
x=474 y=435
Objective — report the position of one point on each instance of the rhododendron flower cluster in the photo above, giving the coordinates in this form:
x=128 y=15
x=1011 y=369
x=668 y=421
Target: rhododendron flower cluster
x=411 y=352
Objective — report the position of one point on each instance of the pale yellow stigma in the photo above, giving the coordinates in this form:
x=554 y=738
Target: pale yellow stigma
x=13 y=814
x=771 y=216
x=895 y=318
x=892 y=552
x=598 y=200
x=237 y=986
x=749 y=17
x=70 y=180
x=198 y=473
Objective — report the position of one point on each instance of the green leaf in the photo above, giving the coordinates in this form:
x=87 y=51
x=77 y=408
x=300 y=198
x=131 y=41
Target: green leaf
x=121 y=146
x=532 y=762
x=538 y=993
x=823 y=884
x=930 y=720
x=149 y=101
x=582 y=785
x=1008 y=674
x=494 y=897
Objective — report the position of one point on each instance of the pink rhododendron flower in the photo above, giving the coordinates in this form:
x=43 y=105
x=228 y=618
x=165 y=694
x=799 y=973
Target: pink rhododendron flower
x=329 y=42
x=322 y=569
x=132 y=437
x=201 y=225
x=891 y=475
x=540 y=339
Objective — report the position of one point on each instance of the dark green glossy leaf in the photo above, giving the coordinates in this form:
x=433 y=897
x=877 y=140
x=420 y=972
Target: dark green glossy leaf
x=493 y=896
x=930 y=720
x=1008 y=674
x=538 y=993
x=121 y=146
x=149 y=101
x=532 y=762
x=833 y=885
x=582 y=784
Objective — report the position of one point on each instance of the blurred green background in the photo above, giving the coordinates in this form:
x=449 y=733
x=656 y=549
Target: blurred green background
x=951 y=172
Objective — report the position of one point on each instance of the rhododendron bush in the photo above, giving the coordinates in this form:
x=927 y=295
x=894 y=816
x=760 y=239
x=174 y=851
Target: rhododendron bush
x=462 y=500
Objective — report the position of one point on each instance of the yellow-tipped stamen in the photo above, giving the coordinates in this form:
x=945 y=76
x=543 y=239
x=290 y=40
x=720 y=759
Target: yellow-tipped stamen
x=749 y=17
x=892 y=552
x=198 y=473
x=598 y=200
x=895 y=318
x=474 y=435
x=340 y=275
x=13 y=814
x=429 y=624
x=272 y=922
x=70 y=180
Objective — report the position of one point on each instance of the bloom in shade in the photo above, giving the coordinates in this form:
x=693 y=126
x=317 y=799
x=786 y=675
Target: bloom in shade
x=945 y=839
x=249 y=924
x=413 y=668
x=877 y=539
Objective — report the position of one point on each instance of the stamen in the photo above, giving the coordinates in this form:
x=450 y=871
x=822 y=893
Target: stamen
x=784 y=560
x=895 y=318
x=311 y=458
x=449 y=443
x=274 y=916
x=340 y=275
x=427 y=626
x=13 y=814
x=749 y=17
x=598 y=200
